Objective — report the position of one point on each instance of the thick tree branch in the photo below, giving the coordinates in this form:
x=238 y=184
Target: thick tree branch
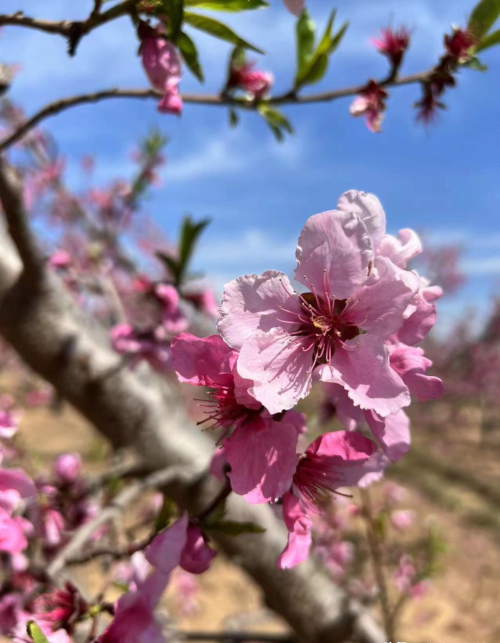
x=195 y=99
x=17 y=219
x=41 y=321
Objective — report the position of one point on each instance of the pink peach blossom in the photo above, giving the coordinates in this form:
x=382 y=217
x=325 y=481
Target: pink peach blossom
x=260 y=451
x=67 y=467
x=356 y=301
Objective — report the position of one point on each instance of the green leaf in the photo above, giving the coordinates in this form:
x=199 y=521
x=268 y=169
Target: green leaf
x=231 y=528
x=488 y=41
x=483 y=17
x=171 y=263
x=174 y=10
x=277 y=121
x=189 y=54
x=190 y=234
x=305 y=33
x=234 y=118
x=475 y=64
x=215 y=516
x=35 y=633
x=316 y=65
x=167 y=512
x=218 y=30
x=227 y=5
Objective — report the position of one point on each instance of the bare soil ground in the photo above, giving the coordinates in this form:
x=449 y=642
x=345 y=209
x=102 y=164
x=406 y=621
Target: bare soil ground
x=450 y=476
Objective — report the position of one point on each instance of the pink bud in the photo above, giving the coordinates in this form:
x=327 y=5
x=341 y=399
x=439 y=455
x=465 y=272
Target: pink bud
x=67 y=467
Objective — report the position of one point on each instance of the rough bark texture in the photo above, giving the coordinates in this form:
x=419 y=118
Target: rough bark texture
x=40 y=320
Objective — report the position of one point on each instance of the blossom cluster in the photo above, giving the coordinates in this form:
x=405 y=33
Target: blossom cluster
x=354 y=327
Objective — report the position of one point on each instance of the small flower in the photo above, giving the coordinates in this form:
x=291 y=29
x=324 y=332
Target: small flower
x=163 y=67
x=402 y=519
x=427 y=108
x=370 y=104
x=67 y=467
x=334 y=460
x=61 y=607
x=459 y=44
x=60 y=259
x=256 y=83
x=151 y=345
x=295 y=7
x=393 y=43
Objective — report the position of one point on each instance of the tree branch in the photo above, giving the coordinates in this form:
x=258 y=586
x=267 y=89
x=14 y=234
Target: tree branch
x=17 y=219
x=66 y=28
x=196 y=99
x=138 y=410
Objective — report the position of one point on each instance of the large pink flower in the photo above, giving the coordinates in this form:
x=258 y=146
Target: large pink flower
x=334 y=460
x=261 y=451
x=356 y=300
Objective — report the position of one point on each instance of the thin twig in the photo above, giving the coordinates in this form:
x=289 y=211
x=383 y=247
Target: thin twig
x=114 y=509
x=196 y=99
x=66 y=28
x=377 y=562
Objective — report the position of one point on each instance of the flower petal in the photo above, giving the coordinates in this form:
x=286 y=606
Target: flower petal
x=299 y=533
x=263 y=459
x=279 y=368
x=410 y=364
x=252 y=303
x=366 y=374
x=401 y=249
x=199 y=361
x=392 y=433
x=379 y=307
x=164 y=552
x=368 y=208
x=422 y=318
x=334 y=252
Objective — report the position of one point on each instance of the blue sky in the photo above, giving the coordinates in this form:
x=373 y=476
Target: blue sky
x=258 y=192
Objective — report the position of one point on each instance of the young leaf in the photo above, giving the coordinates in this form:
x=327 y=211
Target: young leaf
x=35 y=633
x=475 y=64
x=305 y=32
x=215 y=516
x=488 y=41
x=278 y=123
x=218 y=30
x=189 y=54
x=174 y=9
x=483 y=17
x=234 y=118
x=232 y=528
x=167 y=512
x=316 y=66
x=190 y=234
x=171 y=264
x=227 y=5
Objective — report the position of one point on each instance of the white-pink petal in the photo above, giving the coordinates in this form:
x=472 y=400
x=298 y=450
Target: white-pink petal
x=252 y=303
x=263 y=459
x=334 y=253
x=368 y=208
x=279 y=367
x=364 y=371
